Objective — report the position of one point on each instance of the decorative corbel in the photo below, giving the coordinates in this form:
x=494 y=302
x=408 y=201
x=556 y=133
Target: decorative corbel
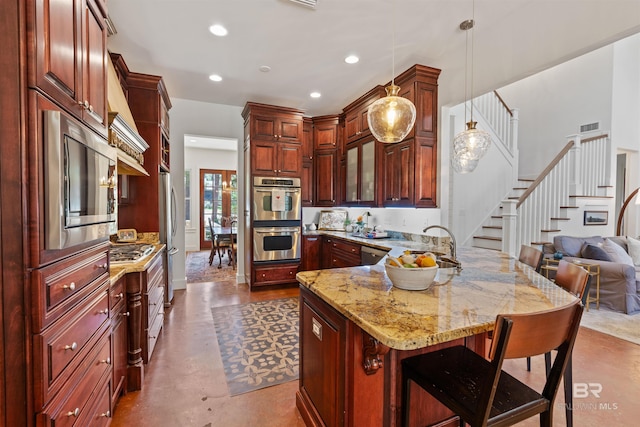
x=372 y=353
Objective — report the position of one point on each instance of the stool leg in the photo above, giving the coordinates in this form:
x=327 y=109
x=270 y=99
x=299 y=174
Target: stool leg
x=568 y=392
x=528 y=364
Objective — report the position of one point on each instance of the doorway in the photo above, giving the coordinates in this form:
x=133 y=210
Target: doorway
x=218 y=200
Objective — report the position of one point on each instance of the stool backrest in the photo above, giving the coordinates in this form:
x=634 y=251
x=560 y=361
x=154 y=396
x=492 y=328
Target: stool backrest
x=572 y=278
x=531 y=256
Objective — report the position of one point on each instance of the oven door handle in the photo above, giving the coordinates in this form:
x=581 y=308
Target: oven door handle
x=277 y=230
x=289 y=190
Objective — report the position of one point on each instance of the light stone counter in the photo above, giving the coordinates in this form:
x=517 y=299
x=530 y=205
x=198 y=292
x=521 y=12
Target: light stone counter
x=116 y=271
x=457 y=306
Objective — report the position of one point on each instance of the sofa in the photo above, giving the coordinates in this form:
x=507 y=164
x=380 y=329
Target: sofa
x=619 y=277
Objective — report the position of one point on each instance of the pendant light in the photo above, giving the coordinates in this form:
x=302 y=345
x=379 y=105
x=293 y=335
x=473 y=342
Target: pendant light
x=392 y=117
x=471 y=144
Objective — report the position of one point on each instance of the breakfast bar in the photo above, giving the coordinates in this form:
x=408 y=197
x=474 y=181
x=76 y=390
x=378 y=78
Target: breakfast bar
x=356 y=327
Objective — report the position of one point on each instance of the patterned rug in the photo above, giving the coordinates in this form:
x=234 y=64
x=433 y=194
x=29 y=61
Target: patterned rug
x=198 y=269
x=258 y=343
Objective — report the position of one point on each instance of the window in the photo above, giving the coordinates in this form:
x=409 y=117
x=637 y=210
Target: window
x=187 y=197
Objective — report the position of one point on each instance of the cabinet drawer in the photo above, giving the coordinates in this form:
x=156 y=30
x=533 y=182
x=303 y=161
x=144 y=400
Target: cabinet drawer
x=276 y=274
x=346 y=247
x=153 y=334
x=341 y=259
x=67 y=338
x=155 y=303
x=72 y=403
x=59 y=286
x=155 y=273
x=116 y=295
x=101 y=414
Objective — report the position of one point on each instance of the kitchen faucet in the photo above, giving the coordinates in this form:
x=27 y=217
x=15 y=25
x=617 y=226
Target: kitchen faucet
x=452 y=245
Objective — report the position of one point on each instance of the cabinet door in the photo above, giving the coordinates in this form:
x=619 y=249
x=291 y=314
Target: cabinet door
x=290 y=129
x=398 y=174
x=289 y=159
x=325 y=136
x=326 y=178
x=264 y=128
x=322 y=346
x=263 y=158
x=58 y=54
x=307 y=140
x=351 y=175
x=307 y=184
x=352 y=126
x=311 y=253
x=94 y=66
x=425 y=173
x=368 y=172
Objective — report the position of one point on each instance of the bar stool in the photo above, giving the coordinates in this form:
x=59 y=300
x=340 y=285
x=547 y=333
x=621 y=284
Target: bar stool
x=477 y=390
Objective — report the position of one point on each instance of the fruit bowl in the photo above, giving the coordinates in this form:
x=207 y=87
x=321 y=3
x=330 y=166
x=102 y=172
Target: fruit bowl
x=411 y=279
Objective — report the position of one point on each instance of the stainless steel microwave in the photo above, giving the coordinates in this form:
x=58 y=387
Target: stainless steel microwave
x=80 y=182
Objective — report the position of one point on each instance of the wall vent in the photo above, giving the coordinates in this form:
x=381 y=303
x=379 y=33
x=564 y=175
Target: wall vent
x=589 y=127
x=307 y=3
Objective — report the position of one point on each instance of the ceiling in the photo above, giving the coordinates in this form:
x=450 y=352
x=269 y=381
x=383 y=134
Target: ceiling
x=306 y=47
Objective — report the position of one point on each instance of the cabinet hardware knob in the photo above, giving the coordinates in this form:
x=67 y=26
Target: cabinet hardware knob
x=74 y=413
x=120 y=295
x=310 y=157
x=263 y=275
x=291 y=272
x=106 y=414
x=353 y=249
x=90 y=108
x=71 y=286
x=106 y=361
x=151 y=337
x=125 y=314
x=105 y=311
x=105 y=265
x=71 y=347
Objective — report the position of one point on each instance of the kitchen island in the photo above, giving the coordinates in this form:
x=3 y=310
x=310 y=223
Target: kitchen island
x=355 y=328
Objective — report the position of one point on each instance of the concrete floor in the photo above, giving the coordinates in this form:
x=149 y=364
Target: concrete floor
x=184 y=383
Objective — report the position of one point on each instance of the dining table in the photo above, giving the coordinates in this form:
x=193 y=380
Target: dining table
x=225 y=239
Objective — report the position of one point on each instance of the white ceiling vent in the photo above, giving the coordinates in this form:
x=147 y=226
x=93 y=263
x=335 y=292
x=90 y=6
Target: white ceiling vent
x=589 y=127
x=307 y=3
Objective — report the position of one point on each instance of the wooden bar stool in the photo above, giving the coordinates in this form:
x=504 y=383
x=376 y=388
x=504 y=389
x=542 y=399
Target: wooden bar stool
x=477 y=390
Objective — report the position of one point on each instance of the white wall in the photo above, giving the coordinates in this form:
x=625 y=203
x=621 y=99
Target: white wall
x=555 y=102
x=198 y=118
x=196 y=159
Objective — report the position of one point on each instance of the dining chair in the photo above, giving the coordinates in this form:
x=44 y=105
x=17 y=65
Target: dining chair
x=214 y=248
x=477 y=390
x=531 y=256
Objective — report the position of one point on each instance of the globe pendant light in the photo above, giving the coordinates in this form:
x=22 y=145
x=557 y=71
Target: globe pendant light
x=471 y=144
x=392 y=117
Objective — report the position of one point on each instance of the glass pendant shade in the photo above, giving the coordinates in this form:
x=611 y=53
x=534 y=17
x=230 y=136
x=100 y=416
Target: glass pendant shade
x=472 y=141
x=463 y=163
x=392 y=117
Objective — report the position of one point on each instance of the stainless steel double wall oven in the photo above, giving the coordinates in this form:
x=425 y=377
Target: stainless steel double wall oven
x=277 y=219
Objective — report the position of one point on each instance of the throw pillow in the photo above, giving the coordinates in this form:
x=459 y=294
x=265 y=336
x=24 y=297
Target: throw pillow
x=616 y=252
x=571 y=246
x=595 y=252
x=634 y=250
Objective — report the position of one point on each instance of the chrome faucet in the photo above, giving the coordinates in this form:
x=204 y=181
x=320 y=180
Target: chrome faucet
x=452 y=245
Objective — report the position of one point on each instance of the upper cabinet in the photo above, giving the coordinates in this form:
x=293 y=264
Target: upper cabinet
x=327 y=132
x=356 y=123
x=275 y=140
x=70 y=42
x=360 y=173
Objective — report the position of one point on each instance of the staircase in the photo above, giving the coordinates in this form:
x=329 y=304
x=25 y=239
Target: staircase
x=535 y=210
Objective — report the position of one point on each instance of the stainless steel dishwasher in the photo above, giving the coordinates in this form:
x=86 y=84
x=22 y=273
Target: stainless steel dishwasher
x=370 y=256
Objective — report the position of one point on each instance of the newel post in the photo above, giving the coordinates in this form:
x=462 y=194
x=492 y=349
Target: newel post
x=575 y=162
x=509 y=218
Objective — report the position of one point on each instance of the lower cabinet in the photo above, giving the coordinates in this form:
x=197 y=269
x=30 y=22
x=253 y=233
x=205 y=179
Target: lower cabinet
x=311 y=253
x=338 y=253
x=323 y=358
x=274 y=274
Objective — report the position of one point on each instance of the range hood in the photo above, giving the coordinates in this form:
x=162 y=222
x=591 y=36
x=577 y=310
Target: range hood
x=123 y=133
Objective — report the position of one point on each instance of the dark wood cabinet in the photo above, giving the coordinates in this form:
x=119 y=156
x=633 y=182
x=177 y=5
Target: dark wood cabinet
x=361 y=179
x=274 y=274
x=326 y=178
x=307 y=139
x=306 y=178
x=398 y=174
x=150 y=104
x=323 y=357
x=119 y=315
x=274 y=126
x=276 y=159
x=356 y=123
x=337 y=253
x=311 y=253
x=326 y=132
x=70 y=42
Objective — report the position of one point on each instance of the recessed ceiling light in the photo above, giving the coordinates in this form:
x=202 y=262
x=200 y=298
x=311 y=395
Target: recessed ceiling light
x=218 y=30
x=215 y=78
x=315 y=94
x=264 y=68
x=351 y=59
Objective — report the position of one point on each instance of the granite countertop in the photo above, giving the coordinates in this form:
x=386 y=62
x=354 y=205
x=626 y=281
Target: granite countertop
x=116 y=271
x=393 y=244
x=456 y=306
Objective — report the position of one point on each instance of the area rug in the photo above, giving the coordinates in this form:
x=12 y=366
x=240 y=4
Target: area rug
x=620 y=325
x=198 y=269
x=258 y=343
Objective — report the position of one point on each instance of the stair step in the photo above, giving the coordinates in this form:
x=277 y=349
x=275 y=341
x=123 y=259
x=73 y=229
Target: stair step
x=560 y=219
x=551 y=231
x=494 y=227
x=526 y=179
x=520 y=188
x=576 y=196
x=568 y=207
x=513 y=197
x=497 y=239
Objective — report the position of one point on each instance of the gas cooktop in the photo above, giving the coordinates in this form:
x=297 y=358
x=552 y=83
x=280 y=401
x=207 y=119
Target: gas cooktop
x=131 y=252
